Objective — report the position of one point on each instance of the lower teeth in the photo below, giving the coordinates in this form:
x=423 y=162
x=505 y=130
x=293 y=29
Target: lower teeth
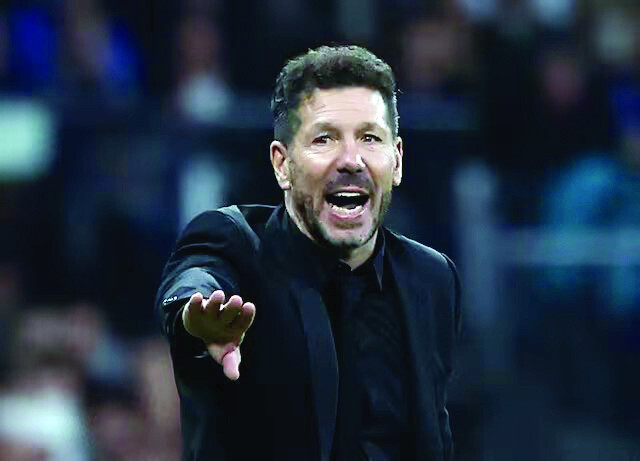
x=351 y=209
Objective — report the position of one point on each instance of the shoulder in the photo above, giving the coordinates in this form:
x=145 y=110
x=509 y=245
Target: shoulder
x=433 y=279
x=230 y=221
x=253 y=216
x=426 y=269
x=236 y=215
x=418 y=256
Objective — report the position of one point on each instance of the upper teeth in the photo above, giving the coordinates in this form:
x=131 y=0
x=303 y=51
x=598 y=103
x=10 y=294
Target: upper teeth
x=348 y=194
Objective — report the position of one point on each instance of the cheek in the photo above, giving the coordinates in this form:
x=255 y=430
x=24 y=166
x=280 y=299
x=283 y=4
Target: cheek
x=383 y=175
x=308 y=177
x=306 y=182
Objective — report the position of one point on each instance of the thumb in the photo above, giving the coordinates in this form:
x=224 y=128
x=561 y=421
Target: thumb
x=231 y=364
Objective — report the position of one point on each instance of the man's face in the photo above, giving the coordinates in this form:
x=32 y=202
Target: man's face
x=340 y=167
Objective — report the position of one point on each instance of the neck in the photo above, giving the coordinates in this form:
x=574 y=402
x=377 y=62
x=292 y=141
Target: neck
x=358 y=256
x=354 y=258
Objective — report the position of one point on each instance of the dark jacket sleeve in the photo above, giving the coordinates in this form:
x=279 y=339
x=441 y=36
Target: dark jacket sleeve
x=453 y=325
x=454 y=309
x=205 y=259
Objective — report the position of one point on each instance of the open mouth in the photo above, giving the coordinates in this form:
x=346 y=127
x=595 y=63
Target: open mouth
x=352 y=202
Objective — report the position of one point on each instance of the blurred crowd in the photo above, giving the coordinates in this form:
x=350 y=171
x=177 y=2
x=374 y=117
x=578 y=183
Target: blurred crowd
x=76 y=392
x=120 y=120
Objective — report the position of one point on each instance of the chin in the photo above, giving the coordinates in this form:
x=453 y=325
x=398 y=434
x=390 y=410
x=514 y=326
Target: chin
x=343 y=241
x=349 y=238
x=340 y=231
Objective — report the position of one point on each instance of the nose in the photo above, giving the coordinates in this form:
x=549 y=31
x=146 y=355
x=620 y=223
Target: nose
x=350 y=159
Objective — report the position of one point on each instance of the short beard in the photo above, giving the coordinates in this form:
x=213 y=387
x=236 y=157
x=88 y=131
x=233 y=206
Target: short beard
x=303 y=205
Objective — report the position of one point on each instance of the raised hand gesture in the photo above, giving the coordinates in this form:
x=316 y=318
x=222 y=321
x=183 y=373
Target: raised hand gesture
x=221 y=326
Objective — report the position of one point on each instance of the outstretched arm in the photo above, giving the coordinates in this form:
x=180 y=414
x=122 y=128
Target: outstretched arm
x=204 y=263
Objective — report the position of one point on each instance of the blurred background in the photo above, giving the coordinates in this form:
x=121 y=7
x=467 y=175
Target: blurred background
x=121 y=120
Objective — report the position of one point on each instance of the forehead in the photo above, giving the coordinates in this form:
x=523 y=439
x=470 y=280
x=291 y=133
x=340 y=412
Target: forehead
x=344 y=105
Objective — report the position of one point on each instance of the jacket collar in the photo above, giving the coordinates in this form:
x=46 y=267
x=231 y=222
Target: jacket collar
x=311 y=261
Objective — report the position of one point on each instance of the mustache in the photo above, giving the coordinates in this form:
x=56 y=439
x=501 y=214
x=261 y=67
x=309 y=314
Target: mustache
x=361 y=180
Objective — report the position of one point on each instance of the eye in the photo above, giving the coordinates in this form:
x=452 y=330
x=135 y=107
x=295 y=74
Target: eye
x=369 y=137
x=322 y=139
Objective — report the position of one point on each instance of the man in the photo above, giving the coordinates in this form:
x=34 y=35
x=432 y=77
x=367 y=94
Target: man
x=345 y=328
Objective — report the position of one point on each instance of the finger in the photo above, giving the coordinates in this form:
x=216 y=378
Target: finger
x=215 y=300
x=195 y=303
x=231 y=364
x=218 y=351
x=243 y=321
x=231 y=310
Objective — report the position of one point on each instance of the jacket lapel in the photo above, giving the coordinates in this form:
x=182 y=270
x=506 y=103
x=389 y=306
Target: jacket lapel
x=416 y=307
x=321 y=352
x=323 y=362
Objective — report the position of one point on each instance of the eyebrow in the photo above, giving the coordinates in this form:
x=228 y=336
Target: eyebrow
x=370 y=126
x=323 y=126
x=328 y=126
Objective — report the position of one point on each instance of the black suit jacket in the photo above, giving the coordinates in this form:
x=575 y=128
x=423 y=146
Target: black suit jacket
x=284 y=405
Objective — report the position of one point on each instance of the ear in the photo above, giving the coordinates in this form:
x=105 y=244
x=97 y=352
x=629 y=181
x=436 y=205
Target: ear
x=397 y=168
x=280 y=163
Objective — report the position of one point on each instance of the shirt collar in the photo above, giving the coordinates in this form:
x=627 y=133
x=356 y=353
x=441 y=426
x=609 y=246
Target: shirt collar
x=305 y=250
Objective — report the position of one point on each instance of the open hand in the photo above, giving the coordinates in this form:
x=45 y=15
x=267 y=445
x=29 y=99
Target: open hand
x=221 y=326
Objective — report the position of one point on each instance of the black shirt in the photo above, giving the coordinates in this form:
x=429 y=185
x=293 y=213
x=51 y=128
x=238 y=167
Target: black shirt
x=373 y=408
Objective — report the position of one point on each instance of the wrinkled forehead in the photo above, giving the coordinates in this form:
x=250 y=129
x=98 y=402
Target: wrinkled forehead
x=344 y=104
